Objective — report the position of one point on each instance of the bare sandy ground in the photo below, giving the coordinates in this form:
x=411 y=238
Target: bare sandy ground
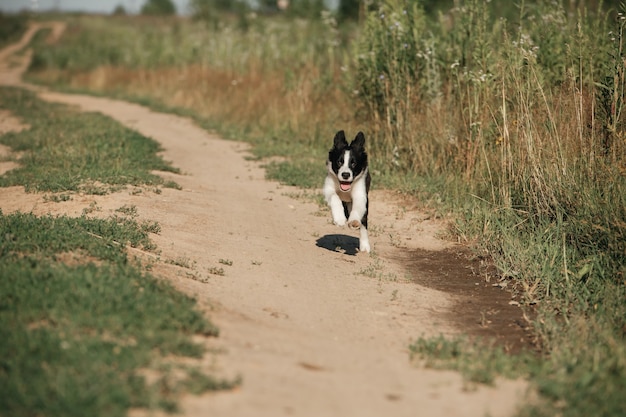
x=313 y=327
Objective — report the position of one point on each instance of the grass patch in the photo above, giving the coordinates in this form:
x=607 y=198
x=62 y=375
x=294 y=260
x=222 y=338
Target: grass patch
x=66 y=150
x=478 y=362
x=78 y=336
x=45 y=236
x=301 y=173
x=12 y=27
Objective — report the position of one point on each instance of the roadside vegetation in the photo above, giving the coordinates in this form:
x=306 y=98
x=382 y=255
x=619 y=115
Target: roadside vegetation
x=510 y=117
x=11 y=28
x=57 y=154
x=84 y=329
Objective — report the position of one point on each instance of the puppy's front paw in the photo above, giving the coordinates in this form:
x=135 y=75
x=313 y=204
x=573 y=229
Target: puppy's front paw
x=340 y=221
x=364 y=247
x=354 y=224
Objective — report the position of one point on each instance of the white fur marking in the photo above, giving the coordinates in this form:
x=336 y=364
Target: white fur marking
x=333 y=200
x=364 y=241
x=345 y=168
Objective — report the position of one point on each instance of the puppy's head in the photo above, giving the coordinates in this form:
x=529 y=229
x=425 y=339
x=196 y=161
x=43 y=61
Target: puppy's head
x=347 y=161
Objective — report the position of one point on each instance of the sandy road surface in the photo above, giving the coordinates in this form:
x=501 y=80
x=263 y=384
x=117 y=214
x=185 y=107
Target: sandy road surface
x=313 y=328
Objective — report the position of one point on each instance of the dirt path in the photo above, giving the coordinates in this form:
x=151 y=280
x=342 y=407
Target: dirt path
x=313 y=331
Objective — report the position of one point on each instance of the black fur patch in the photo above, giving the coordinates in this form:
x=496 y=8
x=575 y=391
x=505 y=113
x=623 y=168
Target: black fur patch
x=358 y=156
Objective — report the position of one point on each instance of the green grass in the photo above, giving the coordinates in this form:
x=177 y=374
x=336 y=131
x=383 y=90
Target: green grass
x=11 y=28
x=66 y=150
x=302 y=173
x=84 y=330
x=80 y=323
x=479 y=362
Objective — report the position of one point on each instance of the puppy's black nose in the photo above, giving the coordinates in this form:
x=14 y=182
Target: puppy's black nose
x=345 y=175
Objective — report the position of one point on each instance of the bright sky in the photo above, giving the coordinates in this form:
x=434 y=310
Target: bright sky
x=93 y=6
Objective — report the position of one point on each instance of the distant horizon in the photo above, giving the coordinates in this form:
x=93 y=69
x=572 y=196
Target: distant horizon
x=97 y=6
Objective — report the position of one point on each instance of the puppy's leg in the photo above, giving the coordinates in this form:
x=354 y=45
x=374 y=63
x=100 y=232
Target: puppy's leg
x=334 y=202
x=364 y=241
x=337 y=210
x=354 y=224
x=359 y=208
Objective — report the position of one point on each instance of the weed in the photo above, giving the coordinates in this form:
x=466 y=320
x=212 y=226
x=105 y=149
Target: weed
x=183 y=262
x=479 y=363
x=172 y=184
x=130 y=211
x=216 y=271
x=151 y=227
x=199 y=382
x=197 y=277
x=395 y=241
x=376 y=269
x=57 y=198
x=93 y=207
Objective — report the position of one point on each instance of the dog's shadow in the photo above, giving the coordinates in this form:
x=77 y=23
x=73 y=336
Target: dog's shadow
x=348 y=245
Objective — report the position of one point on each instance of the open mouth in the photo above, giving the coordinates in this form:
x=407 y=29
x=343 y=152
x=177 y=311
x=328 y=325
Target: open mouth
x=345 y=185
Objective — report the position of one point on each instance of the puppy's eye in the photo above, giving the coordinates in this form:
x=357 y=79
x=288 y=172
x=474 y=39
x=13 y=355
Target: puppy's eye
x=341 y=161
x=352 y=163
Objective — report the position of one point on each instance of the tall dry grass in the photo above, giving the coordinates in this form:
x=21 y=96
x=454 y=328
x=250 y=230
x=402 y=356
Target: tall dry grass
x=279 y=76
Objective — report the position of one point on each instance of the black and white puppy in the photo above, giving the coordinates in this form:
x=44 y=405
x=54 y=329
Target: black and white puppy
x=347 y=185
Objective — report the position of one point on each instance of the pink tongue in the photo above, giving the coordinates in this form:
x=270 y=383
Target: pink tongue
x=345 y=186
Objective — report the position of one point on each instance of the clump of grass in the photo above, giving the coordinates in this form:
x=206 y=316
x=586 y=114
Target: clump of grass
x=214 y=270
x=476 y=361
x=183 y=262
x=172 y=184
x=58 y=198
x=376 y=269
x=130 y=211
x=151 y=227
x=303 y=173
x=65 y=150
x=103 y=238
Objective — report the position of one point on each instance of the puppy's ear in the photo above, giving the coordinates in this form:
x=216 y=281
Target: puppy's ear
x=359 y=141
x=340 y=140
